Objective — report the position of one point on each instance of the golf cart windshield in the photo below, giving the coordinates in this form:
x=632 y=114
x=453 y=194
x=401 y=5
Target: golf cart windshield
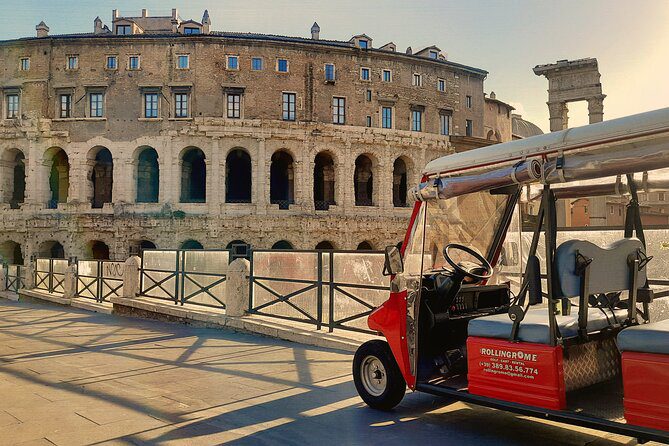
x=471 y=220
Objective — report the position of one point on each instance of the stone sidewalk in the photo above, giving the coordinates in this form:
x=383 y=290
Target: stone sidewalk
x=70 y=377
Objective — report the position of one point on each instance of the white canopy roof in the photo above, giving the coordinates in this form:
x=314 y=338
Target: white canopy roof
x=593 y=136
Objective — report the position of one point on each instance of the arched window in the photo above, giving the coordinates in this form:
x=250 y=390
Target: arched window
x=399 y=183
x=148 y=176
x=101 y=176
x=365 y=246
x=10 y=253
x=235 y=242
x=193 y=176
x=97 y=250
x=282 y=244
x=363 y=181
x=59 y=176
x=238 y=177
x=281 y=180
x=191 y=244
x=324 y=181
x=13 y=177
x=324 y=245
x=51 y=249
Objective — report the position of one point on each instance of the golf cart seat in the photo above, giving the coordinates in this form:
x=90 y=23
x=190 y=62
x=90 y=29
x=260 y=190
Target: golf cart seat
x=647 y=338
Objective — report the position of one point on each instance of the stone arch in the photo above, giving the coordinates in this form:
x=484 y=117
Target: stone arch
x=96 y=250
x=238 y=176
x=58 y=165
x=282 y=244
x=324 y=181
x=281 y=179
x=363 y=181
x=235 y=242
x=365 y=245
x=13 y=177
x=193 y=176
x=11 y=253
x=324 y=245
x=401 y=168
x=100 y=176
x=147 y=178
x=51 y=249
x=490 y=135
x=191 y=244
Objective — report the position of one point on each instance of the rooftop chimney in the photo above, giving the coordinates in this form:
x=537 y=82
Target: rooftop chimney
x=315 y=31
x=114 y=14
x=175 y=13
x=42 y=29
x=206 y=22
x=493 y=95
x=409 y=50
x=145 y=12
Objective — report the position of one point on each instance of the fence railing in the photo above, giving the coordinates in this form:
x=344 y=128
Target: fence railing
x=15 y=277
x=50 y=274
x=185 y=276
x=99 y=279
x=335 y=289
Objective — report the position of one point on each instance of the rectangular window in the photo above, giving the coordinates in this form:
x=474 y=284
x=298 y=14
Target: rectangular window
x=444 y=124
x=233 y=63
x=288 y=106
x=234 y=105
x=387 y=76
x=338 y=110
x=256 y=64
x=133 y=63
x=329 y=72
x=661 y=196
x=65 y=105
x=123 y=30
x=183 y=62
x=364 y=74
x=369 y=121
x=72 y=62
x=368 y=95
x=181 y=105
x=387 y=117
x=468 y=101
x=441 y=85
x=469 y=127
x=12 y=106
x=151 y=105
x=191 y=30
x=96 y=102
x=282 y=65
x=112 y=62
x=25 y=64
x=364 y=44
x=416 y=121
x=434 y=54
x=417 y=80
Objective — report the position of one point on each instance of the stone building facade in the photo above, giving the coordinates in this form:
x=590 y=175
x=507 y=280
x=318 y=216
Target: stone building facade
x=160 y=132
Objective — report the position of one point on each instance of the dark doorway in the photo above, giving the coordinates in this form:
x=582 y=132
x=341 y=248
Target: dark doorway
x=97 y=250
x=399 y=183
x=324 y=182
x=148 y=176
x=363 y=181
x=281 y=180
x=59 y=176
x=102 y=177
x=10 y=253
x=52 y=249
x=193 y=177
x=238 y=177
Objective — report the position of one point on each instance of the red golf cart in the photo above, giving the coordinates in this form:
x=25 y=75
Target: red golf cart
x=567 y=335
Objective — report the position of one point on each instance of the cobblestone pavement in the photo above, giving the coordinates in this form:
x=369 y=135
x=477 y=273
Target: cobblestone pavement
x=69 y=377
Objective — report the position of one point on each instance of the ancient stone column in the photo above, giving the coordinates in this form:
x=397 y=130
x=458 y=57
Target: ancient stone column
x=558 y=114
x=237 y=288
x=70 y=282
x=29 y=278
x=596 y=108
x=131 y=277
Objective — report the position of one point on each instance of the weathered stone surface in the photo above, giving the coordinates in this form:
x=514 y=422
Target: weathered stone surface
x=237 y=288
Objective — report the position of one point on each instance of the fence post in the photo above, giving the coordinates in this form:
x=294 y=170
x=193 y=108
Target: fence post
x=131 y=279
x=237 y=287
x=70 y=282
x=29 y=281
x=4 y=273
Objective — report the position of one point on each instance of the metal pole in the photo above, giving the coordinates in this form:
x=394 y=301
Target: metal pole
x=319 y=292
x=250 y=252
x=549 y=213
x=332 y=291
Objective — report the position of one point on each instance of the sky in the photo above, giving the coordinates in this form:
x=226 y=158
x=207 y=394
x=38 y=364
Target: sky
x=507 y=38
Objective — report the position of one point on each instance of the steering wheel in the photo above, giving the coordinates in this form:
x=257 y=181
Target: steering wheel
x=483 y=262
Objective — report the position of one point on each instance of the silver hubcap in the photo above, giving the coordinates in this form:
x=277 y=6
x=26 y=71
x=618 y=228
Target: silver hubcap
x=373 y=374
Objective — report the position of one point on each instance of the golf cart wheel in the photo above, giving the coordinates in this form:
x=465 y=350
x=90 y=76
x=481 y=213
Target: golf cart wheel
x=377 y=376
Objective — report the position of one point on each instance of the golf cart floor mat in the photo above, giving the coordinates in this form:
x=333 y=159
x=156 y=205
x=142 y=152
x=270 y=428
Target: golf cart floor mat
x=591 y=363
x=602 y=400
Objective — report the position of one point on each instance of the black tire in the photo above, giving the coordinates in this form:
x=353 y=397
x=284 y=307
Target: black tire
x=388 y=394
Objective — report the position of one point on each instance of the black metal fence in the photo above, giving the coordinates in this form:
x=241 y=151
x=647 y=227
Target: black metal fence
x=14 y=277
x=99 y=279
x=335 y=289
x=185 y=276
x=50 y=274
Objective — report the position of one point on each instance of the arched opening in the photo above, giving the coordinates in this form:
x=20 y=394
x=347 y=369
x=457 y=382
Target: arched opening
x=146 y=244
x=51 y=249
x=148 y=176
x=59 y=176
x=101 y=176
x=193 y=176
x=235 y=242
x=238 y=177
x=136 y=247
x=13 y=174
x=10 y=253
x=281 y=180
x=324 y=245
x=282 y=244
x=97 y=250
x=399 y=183
x=324 y=181
x=363 y=181
x=490 y=135
x=191 y=244
x=365 y=246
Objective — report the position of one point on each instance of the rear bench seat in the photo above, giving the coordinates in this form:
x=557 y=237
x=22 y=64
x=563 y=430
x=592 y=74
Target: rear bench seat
x=645 y=364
